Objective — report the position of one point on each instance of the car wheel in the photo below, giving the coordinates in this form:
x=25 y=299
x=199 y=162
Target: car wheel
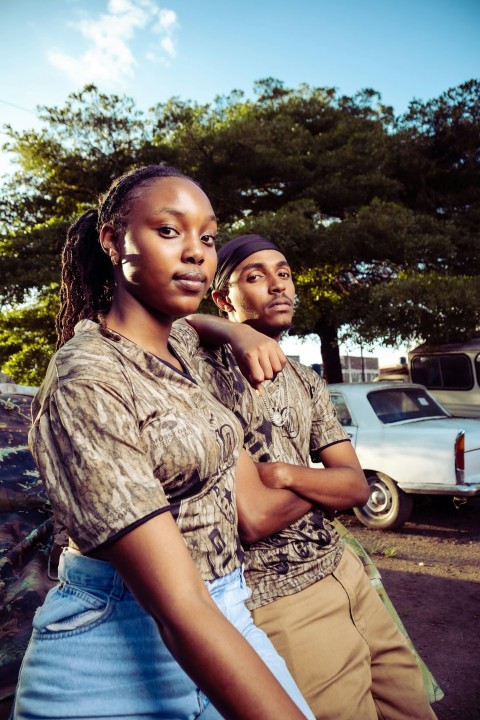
x=388 y=507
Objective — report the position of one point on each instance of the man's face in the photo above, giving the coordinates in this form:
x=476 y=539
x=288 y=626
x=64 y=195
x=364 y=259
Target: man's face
x=260 y=293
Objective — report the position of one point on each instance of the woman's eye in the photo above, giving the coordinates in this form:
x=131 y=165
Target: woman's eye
x=166 y=231
x=209 y=239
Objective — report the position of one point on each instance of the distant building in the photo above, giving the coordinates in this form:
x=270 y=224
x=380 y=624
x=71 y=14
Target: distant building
x=356 y=369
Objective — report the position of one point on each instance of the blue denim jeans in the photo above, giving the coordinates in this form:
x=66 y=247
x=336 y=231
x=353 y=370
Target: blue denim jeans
x=95 y=653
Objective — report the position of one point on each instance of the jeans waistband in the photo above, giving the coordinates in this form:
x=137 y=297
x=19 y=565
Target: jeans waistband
x=89 y=572
x=232 y=581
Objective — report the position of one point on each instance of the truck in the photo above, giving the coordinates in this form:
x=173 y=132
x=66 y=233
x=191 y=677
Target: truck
x=451 y=373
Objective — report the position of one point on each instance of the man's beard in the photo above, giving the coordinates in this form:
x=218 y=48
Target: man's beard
x=277 y=331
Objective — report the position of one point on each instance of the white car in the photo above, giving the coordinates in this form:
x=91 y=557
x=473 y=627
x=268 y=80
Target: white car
x=407 y=444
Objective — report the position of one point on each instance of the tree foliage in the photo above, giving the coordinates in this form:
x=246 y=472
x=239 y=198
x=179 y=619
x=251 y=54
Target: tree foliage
x=27 y=337
x=61 y=171
x=424 y=306
x=378 y=215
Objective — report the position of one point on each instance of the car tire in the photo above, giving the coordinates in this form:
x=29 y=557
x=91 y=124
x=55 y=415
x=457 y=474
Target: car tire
x=388 y=507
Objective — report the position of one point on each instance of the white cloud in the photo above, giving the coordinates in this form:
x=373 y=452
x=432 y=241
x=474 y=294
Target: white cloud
x=168 y=46
x=167 y=20
x=165 y=26
x=108 y=59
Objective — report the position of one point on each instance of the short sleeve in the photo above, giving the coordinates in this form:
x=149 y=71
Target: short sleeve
x=94 y=463
x=326 y=428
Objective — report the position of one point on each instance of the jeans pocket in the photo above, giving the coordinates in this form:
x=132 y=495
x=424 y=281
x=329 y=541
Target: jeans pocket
x=69 y=609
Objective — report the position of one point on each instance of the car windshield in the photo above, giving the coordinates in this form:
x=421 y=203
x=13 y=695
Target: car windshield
x=396 y=404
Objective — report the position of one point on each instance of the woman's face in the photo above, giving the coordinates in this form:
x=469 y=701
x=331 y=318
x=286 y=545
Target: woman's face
x=167 y=257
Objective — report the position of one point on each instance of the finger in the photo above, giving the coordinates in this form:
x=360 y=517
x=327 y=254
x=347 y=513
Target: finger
x=267 y=363
x=252 y=370
x=278 y=360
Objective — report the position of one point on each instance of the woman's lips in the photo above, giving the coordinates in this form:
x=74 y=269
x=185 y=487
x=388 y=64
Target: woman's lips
x=193 y=282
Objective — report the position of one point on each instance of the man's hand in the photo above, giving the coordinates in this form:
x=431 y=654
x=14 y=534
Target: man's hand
x=259 y=357
x=340 y=484
x=274 y=474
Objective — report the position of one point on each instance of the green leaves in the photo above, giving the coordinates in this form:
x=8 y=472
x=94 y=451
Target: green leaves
x=432 y=306
x=377 y=215
x=27 y=337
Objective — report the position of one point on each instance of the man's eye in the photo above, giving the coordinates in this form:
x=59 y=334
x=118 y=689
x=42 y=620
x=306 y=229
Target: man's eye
x=284 y=274
x=254 y=278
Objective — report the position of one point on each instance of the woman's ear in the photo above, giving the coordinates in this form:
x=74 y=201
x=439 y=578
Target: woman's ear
x=221 y=301
x=109 y=243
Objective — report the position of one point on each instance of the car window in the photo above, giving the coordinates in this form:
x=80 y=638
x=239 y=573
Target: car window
x=342 y=411
x=452 y=371
x=477 y=368
x=398 y=404
x=15 y=418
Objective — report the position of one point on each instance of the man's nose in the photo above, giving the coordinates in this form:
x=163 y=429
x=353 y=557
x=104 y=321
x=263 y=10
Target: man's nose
x=277 y=284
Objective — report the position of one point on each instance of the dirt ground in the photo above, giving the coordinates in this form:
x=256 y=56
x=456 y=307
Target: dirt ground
x=431 y=569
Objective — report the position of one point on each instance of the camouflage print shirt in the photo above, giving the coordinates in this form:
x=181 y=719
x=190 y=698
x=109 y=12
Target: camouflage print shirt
x=120 y=436
x=310 y=548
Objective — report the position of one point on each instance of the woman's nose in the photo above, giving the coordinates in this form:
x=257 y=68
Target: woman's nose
x=194 y=251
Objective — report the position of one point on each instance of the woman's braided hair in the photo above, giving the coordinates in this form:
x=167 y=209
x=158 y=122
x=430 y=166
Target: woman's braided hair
x=87 y=285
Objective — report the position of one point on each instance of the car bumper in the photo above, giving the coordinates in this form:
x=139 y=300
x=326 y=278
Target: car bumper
x=431 y=489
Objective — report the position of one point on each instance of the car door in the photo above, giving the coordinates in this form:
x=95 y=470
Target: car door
x=344 y=415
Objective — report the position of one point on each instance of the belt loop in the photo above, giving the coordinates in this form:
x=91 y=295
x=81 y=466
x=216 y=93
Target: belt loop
x=119 y=588
x=243 y=582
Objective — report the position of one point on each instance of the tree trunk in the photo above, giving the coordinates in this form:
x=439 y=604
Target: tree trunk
x=332 y=368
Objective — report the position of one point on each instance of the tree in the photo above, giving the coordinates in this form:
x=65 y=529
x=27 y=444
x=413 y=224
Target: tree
x=286 y=164
x=62 y=170
x=27 y=337
x=432 y=306
x=437 y=154
x=363 y=203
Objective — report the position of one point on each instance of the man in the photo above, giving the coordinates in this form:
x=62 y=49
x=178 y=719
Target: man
x=309 y=590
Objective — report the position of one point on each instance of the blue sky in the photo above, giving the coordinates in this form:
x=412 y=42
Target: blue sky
x=152 y=50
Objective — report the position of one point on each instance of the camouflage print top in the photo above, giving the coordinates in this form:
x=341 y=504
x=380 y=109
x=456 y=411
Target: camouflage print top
x=120 y=436
x=310 y=548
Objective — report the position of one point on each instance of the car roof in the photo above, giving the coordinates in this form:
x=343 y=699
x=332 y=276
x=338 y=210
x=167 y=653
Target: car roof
x=363 y=388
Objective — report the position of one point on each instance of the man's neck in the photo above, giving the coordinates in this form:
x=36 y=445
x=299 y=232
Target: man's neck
x=272 y=332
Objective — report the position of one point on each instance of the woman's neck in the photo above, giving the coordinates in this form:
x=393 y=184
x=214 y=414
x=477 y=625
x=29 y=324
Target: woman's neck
x=146 y=330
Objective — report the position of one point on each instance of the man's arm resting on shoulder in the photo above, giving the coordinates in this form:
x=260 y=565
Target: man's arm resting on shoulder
x=340 y=484
x=258 y=356
x=263 y=511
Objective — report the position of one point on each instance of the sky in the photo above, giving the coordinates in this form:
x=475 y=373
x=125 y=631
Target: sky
x=151 y=50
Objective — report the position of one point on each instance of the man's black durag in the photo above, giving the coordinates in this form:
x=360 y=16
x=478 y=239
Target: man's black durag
x=234 y=252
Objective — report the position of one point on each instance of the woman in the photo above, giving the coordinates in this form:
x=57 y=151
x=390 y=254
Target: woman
x=139 y=462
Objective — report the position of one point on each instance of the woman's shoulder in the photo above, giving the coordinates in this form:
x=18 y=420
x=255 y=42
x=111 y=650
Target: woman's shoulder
x=88 y=352
x=89 y=356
